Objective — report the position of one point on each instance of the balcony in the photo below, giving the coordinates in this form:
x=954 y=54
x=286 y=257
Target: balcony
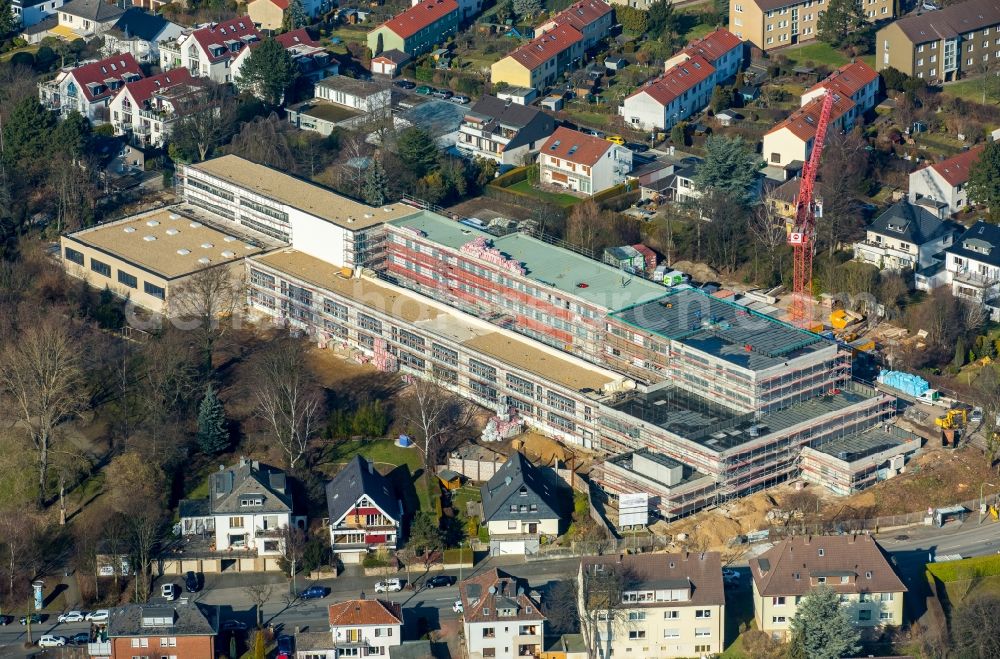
x=99 y=649
x=975 y=279
x=532 y=650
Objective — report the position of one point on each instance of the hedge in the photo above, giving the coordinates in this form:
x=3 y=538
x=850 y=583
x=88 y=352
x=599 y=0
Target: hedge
x=969 y=568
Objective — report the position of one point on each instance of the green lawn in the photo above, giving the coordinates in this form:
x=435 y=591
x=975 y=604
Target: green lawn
x=698 y=31
x=972 y=90
x=821 y=53
x=463 y=495
x=27 y=49
x=350 y=34
x=557 y=198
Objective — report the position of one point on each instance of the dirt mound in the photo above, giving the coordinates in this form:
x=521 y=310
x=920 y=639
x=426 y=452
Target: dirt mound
x=698 y=271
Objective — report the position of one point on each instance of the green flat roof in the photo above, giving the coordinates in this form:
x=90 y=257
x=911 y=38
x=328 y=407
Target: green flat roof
x=554 y=266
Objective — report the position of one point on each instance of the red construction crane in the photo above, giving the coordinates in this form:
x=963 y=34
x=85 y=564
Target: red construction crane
x=801 y=237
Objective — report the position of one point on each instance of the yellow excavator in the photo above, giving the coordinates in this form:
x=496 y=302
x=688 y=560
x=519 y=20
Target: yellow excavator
x=953 y=419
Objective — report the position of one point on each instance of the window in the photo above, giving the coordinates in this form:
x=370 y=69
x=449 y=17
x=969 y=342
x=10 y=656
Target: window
x=512 y=525
x=168 y=642
x=74 y=256
x=636 y=615
x=488 y=632
x=482 y=370
x=671 y=633
x=100 y=267
x=154 y=290
x=703 y=613
x=261 y=279
x=636 y=634
x=489 y=652
x=885 y=615
x=127 y=279
x=520 y=385
x=369 y=324
x=885 y=597
x=236 y=522
x=778 y=601
x=334 y=309
x=864 y=615
x=778 y=620
x=252 y=501
x=821 y=552
x=702 y=632
x=671 y=615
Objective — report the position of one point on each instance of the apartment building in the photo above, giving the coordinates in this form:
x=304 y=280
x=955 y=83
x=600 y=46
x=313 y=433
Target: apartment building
x=33 y=12
x=312 y=60
x=88 y=87
x=856 y=81
x=417 y=29
x=147 y=109
x=358 y=628
x=85 y=19
x=943 y=45
x=770 y=24
x=150 y=258
x=791 y=141
x=503 y=131
x=904 y=237
x=270 y=14
x=971 y=267
x=185 y=630
x=365 y=512
x=208 y=51
x=652 y=605
x=502 y=619
x=854 y=566
x=361 y=95
x=139 y=33
x=683 y=90
x=592 y=18
x=282 y=208
x=582 y=163
x=946 y=182
x=721 y=48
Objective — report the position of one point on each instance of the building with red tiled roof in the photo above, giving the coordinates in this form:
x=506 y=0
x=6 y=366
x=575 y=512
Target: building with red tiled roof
x=582 y=163
x=591 y=18
x=359 y=627
x=501 y=615
x=792 y=139
x=89 y=87
x=416 y=29
x=314 y=62
x=946 y=181
x=856 y=80
x=683 y=90
x=147 y=108
x=208 y=51
x=722 y=49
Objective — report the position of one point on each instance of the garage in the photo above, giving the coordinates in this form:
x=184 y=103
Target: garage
x=507 y=547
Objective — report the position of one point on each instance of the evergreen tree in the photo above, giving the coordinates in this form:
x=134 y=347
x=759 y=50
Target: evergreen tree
x=268 y=72
x=526 y=8
x=418 y=151
x=27 y=131
x=375 y=183
x=213 y=437
x=822 y=629
x=843 y=23
x=295 y=16
x=730 y=167
x=8 y=21
x=984 y=179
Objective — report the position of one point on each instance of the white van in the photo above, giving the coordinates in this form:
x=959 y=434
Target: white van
x=169 y=591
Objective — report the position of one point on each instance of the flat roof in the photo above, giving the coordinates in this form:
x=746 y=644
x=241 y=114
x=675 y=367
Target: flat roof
x=553 y=266
x=860 y=445
x=307 y=197
x=478 y=335
x=624 y=462
x=723 y=329
x=169 y=243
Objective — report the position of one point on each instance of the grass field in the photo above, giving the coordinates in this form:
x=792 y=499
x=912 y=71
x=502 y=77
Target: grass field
x=969 y=568
x=821 y=53
x=27 y=49
x=972 y=90
x=557 y=198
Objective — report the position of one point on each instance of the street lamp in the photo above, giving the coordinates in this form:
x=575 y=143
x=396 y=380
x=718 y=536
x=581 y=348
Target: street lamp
x=981 y=486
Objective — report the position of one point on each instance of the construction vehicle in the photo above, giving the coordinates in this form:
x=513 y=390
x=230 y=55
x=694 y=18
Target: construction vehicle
x=953 y=419
x=842 y=318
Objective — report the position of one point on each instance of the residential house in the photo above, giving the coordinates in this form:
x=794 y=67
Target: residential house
x=856 y=81
x=943 y=45
x=85 y=19
x=358 y=628
x=185 y=630
x=792 y=140
x=946 y=182
x=139 y=33
x=314 y=61
x=905 y=236
x=770 y=24
x=416 y=29
x=559 y=45
x=146 y=109
x=33 y=12
x=503 y=131
x=467 y=8
x=520 y=505
x=672 y=605
x=389 y=62
x=785 y=201
x=501 y=617
x=248 y=507
x=583 y=163
x=854 y=566
x=209 y=50
x=365 y=513
x=89 y=87
x=151 y=5
x=721 y=48
x=270 y=14
x=971 y=267
x=686 y=88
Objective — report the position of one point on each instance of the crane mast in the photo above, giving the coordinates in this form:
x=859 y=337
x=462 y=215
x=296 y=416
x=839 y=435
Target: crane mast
x=803 y=234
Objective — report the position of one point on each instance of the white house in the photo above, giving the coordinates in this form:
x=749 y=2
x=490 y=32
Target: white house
x=32 y=12
x=721 y=48
x=362 y=95
x=905 y=236
x=208 y=51
x=314 y=62
x=365 y=513
x=501 y=616
x=388 y=62
x=247 y=507
x=683 y=90
x=855 y=80
x=945 y=182
x=85 y=19
x=503 y=131
x=146 y=109
x=792 y=139
x=89 y=87
x=672 y=605
x=583 y=163
x=521 y=505
x=971 y=267
x=139 y=33
x=358 y=628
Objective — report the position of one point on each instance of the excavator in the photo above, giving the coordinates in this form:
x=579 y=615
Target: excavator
x=953 y=419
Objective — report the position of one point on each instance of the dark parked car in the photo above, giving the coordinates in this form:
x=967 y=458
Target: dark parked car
x=314 y=593
x=440 y=581
x=192 y=582
x=81 y=638
x=443 y=93
x=234 y=626
x=6 y=620
x=406 y=84
x=36 y=619
x=286 y=646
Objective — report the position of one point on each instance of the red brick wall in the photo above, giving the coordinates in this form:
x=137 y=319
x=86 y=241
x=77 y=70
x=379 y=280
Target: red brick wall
x=188 y=647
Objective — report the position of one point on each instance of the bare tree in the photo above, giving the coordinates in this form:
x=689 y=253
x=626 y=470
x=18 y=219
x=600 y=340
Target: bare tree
x=435 y=412
x=259 y=594
x=144 y=528
x=293 y=546
x=767 y=229
x=167 y=378
x=205 y=120
x=287 y=397
x=603 y=612
x=205 y=300
x=116 y=544
x=40 y=370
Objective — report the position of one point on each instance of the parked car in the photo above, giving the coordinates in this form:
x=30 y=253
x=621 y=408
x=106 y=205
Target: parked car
x=80 y=638
x=73 y=616
x=100 y=615
x=286 y=647
x=458 y=607
x=314 y=593
x=169 y=591
x=405 y=84
x=424 y=90
x=976 y=416
x=389 y=586
x=36 y=619
x=192 y=582
x=636 y=147
x=234 y=626
x=6 y=620
x=51 y=641
x=440 y=581
x=616 y=139
x=461 y=99
x=443 y=93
